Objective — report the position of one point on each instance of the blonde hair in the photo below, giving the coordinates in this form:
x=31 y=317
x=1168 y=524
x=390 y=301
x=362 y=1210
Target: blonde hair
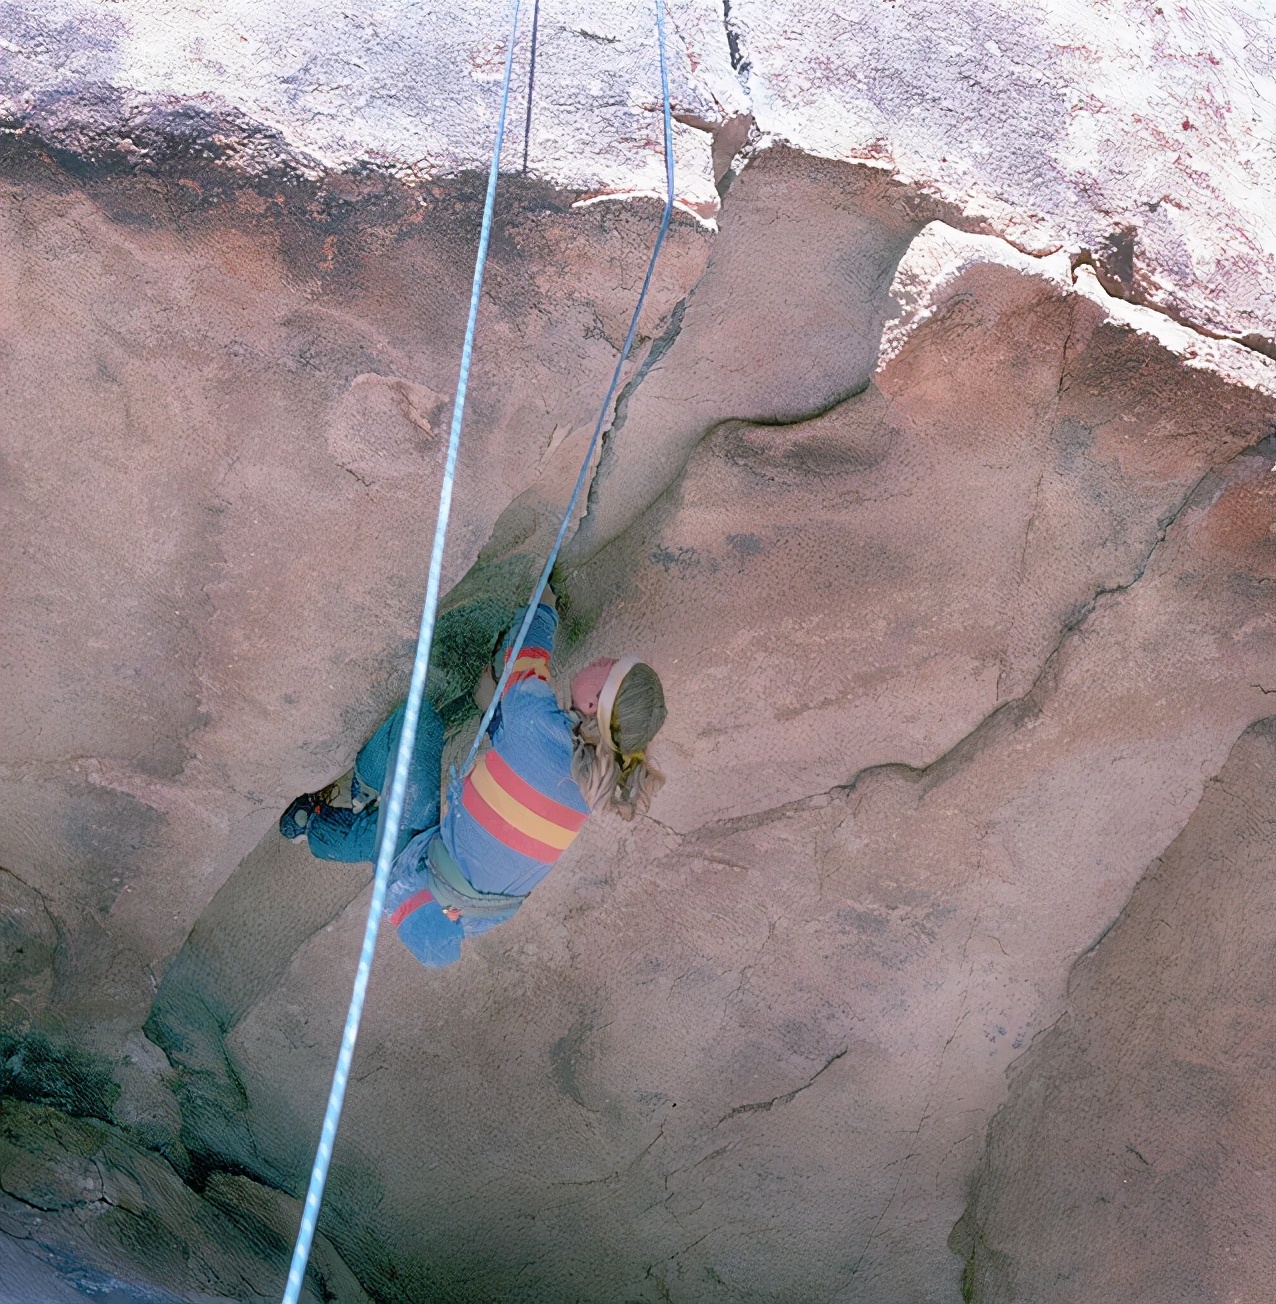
x=617 y=771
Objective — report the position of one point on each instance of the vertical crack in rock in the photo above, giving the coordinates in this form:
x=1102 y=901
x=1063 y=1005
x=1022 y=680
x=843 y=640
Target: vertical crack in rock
x=746 y=347
x=735 y=44
x=659 y=347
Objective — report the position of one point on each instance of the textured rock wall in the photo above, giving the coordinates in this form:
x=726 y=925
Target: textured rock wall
x=938 y=492
x=1135 y=1154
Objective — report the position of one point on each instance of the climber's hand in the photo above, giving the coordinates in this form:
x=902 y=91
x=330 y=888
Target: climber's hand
x=485 y=689
x=549 y=598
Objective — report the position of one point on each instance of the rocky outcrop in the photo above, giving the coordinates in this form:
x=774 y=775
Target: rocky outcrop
x=1134 y=1156
x=78 y=1196
x=938 y=492
x=1130 y=135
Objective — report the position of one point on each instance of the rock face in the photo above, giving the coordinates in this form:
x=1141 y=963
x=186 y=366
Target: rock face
x=1135 y=1153
x=939 y=494
x=1133 y=132
x=101 y=1209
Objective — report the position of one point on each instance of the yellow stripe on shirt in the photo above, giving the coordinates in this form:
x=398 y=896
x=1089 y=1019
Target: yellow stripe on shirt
x=536 y=665
x=513 y=810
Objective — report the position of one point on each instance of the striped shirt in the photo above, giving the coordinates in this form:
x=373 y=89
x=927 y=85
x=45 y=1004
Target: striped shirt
x=519 y=807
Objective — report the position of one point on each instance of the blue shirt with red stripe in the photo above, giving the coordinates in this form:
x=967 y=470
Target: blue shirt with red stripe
x=519 y=807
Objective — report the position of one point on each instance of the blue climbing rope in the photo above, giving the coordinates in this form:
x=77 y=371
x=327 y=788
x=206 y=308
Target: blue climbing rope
x=398 y=786
x=606 y=404
x=425 y=638
x=531 y=83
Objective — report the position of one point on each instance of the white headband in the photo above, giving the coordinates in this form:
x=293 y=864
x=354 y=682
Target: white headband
x=607 y=698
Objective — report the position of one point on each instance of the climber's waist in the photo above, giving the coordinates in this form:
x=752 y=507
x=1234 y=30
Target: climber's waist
x=453 y=891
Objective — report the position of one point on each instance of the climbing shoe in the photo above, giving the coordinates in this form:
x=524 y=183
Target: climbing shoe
x=292 y=823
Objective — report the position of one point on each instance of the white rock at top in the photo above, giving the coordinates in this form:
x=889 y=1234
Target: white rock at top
x=1056 y=125
x=413 y=87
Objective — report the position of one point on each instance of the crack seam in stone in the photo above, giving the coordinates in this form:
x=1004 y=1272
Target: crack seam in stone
x=658 y=348
x=744 y=823
x=763 y=1106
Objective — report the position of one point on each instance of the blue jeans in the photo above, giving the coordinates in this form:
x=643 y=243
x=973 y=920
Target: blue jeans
x=338 y=834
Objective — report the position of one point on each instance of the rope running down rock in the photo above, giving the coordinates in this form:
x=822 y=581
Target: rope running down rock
x=407 y=740
x=583 y=475
x=416 y=690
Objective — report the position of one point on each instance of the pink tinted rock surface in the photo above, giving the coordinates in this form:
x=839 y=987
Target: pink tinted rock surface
x=939 y=492
x=1134 y=1158
x=758 y=1038
x=223 y=426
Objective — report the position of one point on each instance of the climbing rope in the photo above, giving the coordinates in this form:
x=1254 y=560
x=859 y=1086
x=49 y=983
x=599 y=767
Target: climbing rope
x=531 y=83
x=603 y=410
x=394 y=808
x=407 y=741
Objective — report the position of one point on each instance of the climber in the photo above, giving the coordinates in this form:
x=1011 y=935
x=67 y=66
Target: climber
x=502 y=827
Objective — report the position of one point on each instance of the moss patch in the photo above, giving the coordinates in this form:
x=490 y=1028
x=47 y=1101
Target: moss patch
x=65 y=1077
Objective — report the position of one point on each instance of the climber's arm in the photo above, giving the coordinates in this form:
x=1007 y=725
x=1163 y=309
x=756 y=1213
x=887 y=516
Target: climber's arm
x=537 y=648
x=539 y=643
x=485 y=689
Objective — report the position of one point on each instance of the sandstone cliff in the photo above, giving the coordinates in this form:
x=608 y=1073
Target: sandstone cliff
x=940 y=493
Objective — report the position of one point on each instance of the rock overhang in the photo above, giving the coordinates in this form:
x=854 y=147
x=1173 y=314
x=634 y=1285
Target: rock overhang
x=1132 y=135
x=985 y=701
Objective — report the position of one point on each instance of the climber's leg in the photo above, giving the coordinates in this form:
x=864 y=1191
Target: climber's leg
x=433 y=937
x=338 y=833
x=375 y=762
x=375 y=756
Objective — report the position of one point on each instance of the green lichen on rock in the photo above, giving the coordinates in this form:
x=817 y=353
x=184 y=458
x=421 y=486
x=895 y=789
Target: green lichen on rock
x=114 y=1213
x=45 y=1072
